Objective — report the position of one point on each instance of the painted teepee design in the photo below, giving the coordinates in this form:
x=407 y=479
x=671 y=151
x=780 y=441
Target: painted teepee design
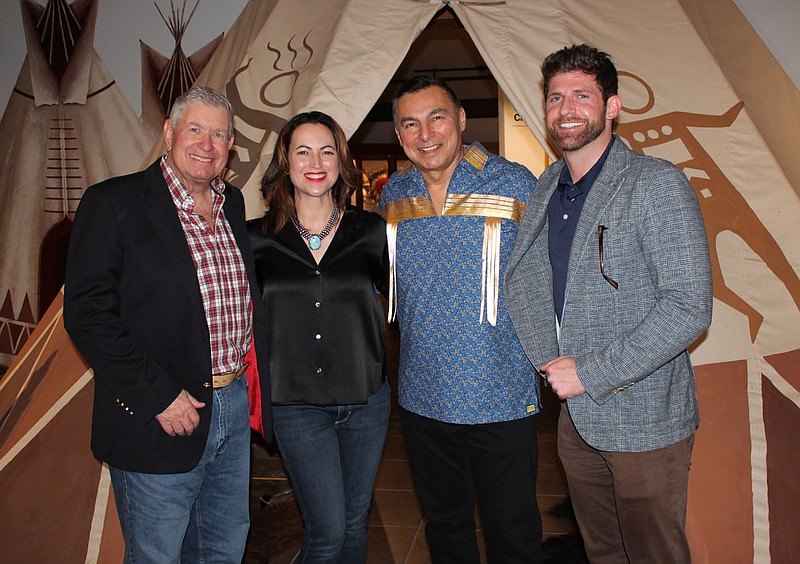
x=58 y=504
x=164 y=79
x=66 y=126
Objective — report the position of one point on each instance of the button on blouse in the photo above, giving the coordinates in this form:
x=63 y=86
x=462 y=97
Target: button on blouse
x=325 y=321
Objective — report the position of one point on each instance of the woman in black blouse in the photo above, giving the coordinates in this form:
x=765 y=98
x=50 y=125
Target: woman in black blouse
x=320 y=264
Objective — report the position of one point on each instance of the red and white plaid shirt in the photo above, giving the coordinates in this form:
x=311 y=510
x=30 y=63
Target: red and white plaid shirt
x=220 y=271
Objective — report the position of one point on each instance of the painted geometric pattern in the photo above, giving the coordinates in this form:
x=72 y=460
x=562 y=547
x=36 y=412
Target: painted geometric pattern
x=15 y=327
x=743 y=487
x=57 y=502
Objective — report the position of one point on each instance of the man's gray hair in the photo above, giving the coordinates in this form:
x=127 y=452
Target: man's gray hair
x=201 y=95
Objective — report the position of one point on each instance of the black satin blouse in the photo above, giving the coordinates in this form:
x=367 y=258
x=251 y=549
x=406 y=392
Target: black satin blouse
x=325 y=323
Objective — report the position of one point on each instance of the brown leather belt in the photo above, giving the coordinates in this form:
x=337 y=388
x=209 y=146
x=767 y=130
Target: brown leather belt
x=222 y=380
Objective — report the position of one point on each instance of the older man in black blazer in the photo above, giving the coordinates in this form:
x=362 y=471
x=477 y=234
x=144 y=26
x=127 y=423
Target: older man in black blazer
x=608 y=284
x=162 y=301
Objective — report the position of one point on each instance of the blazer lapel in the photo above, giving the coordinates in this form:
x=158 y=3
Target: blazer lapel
x=160 y=212
x=234 y=213
x=599 y=198
x=535 y=218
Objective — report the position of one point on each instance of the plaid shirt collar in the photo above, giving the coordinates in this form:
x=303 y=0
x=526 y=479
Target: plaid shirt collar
x=183 y=198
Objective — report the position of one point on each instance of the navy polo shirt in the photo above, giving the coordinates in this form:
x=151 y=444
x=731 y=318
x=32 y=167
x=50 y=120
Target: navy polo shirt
x=563 y=212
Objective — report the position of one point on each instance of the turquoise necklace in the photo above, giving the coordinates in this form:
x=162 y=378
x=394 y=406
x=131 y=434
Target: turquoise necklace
x=314 y=240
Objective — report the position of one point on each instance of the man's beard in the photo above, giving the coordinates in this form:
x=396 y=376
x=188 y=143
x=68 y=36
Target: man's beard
x=567 y=141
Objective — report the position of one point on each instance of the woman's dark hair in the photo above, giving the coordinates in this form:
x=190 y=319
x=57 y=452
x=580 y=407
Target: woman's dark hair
x=584 y=58
x=276 y=186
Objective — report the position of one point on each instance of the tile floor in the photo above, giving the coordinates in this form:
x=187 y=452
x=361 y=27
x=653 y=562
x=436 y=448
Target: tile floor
x=396 y=529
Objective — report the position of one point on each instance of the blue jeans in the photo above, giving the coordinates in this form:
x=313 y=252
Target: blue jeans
x=196 y=516
x=332 y=455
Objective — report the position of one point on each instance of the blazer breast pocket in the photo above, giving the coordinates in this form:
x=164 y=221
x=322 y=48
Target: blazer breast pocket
x=609 y=238
x=619 y=256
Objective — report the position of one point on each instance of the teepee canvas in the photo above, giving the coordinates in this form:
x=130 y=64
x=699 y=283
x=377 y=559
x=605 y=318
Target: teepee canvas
x=57 y=500
x=66 y=126
x=166 y=78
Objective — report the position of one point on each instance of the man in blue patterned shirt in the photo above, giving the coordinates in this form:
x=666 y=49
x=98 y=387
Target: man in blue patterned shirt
x=467 y=392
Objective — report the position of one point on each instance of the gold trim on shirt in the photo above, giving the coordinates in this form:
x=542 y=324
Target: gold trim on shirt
x=391 y=241
x=484 y=205
x=490 y=270
x=408 y=208
x=493 y=208
x=476 y=157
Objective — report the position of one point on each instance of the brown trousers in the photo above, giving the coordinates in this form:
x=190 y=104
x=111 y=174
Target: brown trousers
x=630 y=506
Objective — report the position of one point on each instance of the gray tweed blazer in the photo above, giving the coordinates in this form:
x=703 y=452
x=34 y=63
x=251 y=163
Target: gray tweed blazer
x=630 y=343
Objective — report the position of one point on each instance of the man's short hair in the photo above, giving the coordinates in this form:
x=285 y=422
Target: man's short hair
x=419 y=83
x=583 y=58
x=201 y=95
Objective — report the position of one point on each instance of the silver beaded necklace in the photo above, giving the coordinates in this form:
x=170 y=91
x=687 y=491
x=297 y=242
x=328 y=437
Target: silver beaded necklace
x=314 y=240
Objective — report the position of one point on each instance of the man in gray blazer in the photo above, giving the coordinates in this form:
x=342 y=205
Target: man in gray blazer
x=608 y=284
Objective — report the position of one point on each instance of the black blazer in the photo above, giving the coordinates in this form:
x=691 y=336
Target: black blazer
x=132 y=306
